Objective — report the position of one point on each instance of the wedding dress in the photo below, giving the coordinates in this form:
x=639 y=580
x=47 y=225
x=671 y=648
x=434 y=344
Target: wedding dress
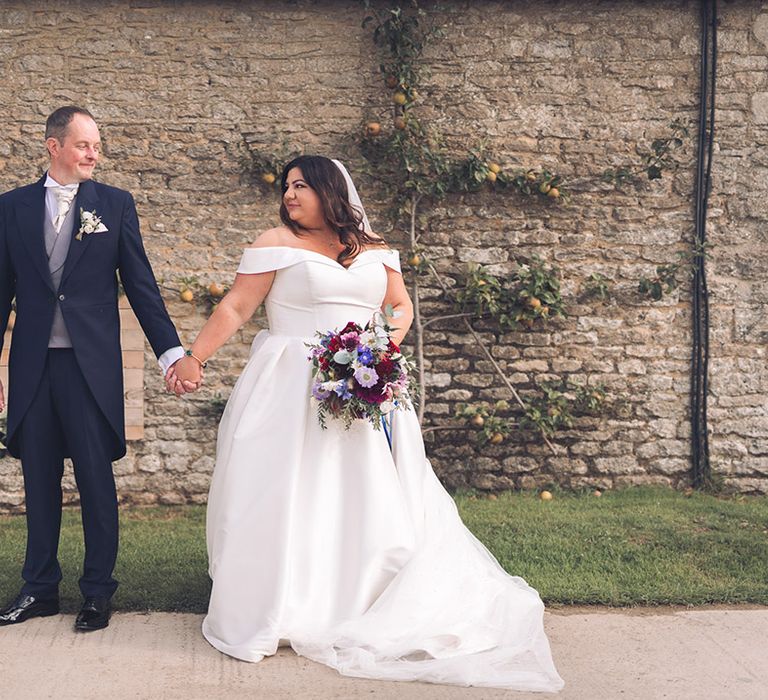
x=332 y=541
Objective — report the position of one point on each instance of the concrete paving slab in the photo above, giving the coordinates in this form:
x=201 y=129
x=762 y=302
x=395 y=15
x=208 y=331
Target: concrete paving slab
x=638 y=654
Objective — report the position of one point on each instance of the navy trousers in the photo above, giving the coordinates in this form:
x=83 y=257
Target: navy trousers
x=65 y=420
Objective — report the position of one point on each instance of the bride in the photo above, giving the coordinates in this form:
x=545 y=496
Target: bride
x=331 y=540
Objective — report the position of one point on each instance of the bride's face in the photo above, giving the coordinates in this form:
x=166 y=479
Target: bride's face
x=302 y=202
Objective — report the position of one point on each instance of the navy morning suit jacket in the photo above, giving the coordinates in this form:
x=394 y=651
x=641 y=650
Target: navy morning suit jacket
x=87 y=294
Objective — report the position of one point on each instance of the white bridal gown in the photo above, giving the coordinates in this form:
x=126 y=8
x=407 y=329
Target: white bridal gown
x=326 y=539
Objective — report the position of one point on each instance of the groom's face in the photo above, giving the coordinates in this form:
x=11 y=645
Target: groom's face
x=75 y=156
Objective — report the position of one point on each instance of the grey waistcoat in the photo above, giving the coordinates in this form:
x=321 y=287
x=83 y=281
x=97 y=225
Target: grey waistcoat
x=57 y=249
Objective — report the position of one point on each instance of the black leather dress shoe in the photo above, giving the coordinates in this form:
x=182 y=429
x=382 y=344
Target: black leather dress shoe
x=94 y=615
x=26 y=606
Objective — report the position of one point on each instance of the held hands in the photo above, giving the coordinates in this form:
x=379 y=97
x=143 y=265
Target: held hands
x=184 y=376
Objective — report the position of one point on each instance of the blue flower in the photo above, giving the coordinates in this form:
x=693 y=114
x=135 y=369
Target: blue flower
x=342 y=390
x=364 y=356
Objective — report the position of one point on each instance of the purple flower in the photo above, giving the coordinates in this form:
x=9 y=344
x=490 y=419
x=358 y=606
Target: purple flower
x=349 y=340
x=366 y=376
x=319 y=393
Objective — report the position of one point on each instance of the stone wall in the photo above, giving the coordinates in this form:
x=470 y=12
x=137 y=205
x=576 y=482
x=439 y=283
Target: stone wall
x=179 y=87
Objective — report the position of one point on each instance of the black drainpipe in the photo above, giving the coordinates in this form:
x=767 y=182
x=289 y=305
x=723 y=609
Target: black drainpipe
x=701 y=472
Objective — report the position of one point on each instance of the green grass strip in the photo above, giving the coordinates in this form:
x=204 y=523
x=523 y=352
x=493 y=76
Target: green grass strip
x=643 y=546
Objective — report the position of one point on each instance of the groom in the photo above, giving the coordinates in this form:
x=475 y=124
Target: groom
x=63 y=240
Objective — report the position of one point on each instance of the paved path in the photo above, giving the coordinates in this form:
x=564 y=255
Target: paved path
x=701 y=654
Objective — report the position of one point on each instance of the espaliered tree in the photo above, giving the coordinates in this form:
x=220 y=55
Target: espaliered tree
x=419 y=170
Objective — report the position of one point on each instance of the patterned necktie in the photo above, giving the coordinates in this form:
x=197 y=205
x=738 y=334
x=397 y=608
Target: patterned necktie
x=64 y=197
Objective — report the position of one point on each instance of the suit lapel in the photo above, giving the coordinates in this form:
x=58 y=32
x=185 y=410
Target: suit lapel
x=31 y=217
x=87 y=199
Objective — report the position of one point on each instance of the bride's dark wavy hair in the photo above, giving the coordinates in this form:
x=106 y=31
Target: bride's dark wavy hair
x=322 y=175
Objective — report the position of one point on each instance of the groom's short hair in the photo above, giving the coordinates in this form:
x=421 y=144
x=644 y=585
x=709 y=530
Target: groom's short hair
x=58 y=121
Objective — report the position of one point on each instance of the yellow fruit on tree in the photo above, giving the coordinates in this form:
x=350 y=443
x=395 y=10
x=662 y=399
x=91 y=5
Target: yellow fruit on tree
x=399 y=98
x=400 y=123
x=494 y=167
x=496 y=438
x=186 y=295
x=414 y=260
x=534 y=302
x=478 y=420
x=269 y=178
x=373 y=128
x=545 y=187
x=490 y=176
x=215 y=289
x=553 y=192
x=530 y=176
x=481 y=283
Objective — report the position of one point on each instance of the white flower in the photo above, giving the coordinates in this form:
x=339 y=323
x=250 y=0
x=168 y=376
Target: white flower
x=89 y=223
x=368 y=339
x=375 y=338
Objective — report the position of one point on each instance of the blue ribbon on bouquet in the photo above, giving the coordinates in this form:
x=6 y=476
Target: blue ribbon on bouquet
x=386 y=423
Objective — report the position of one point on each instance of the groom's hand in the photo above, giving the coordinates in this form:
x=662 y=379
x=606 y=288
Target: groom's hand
x=171 y=379
x=174 y=385
x=184 y=376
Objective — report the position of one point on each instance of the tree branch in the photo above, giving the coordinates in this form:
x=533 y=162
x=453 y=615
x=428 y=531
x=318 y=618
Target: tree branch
x=490 y=357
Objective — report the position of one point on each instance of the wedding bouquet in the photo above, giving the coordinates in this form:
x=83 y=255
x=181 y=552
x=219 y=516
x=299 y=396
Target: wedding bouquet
x=359 y=373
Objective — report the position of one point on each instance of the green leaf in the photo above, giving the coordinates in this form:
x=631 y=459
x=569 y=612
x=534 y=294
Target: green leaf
x=654 y=172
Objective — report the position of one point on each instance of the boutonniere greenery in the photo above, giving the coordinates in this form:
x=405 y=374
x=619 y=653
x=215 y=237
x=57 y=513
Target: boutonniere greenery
x=89 y=223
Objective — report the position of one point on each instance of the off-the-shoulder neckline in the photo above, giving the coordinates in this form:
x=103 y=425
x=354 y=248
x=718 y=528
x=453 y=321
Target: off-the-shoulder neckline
x=331 y=260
